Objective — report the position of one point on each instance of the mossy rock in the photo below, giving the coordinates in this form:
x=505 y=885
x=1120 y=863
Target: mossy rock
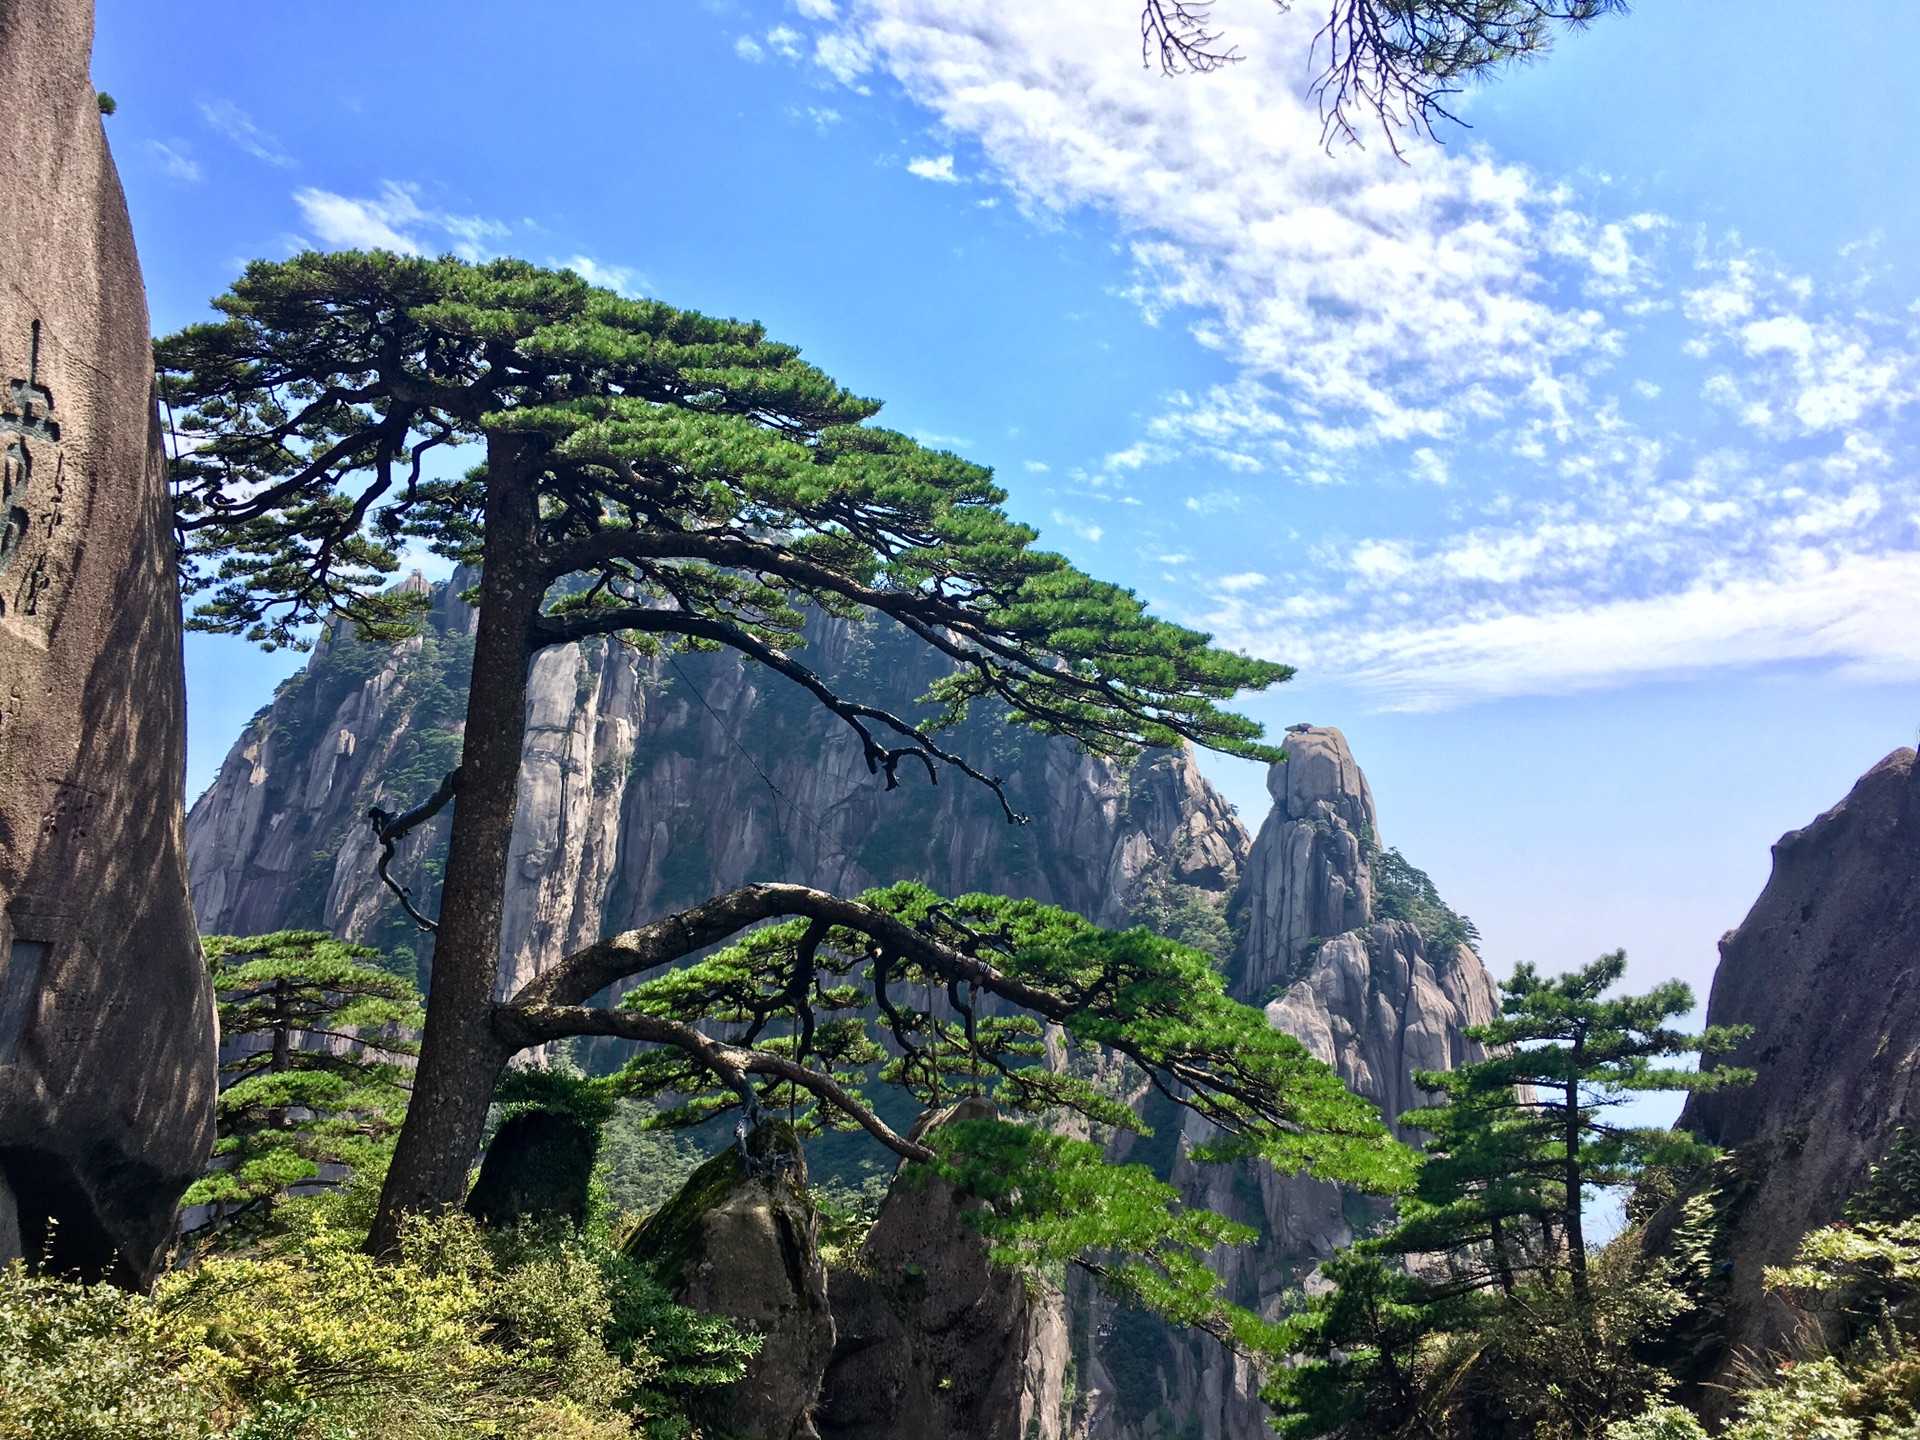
x=743 y=1243
x=672 y=1237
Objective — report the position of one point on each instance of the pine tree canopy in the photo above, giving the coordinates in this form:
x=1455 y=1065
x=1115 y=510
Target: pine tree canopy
x=319 y=1048
x=1488 y=1260
x=812 y=1001
x=1526 y=1129
x=697 y=484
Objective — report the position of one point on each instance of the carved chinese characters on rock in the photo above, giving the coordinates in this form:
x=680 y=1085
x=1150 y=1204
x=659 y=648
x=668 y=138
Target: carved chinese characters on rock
x=32 y=491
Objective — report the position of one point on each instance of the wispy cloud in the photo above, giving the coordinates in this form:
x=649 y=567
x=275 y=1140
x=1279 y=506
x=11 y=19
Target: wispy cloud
x=394 y=220
x=174 y=161
x=1079 y=525
x=234 y=123
x=622 y=279
x=1456 y=328
x=935 y=167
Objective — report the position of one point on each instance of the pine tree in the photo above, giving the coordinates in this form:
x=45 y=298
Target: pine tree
x=1493 y=1230
x=681 y=482
x=319 y=1053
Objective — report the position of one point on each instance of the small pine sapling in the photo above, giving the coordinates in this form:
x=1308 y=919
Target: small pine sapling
x=317 y=1052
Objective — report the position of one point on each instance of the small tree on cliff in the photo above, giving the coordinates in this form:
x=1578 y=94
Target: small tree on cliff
x=319 y=1058
x=682 y=482
x=1491 y=1249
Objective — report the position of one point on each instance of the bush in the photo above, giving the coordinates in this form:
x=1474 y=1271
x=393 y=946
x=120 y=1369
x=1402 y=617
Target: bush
x=524 y=1336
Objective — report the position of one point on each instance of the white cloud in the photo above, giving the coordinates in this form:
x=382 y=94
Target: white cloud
x=1386 y=300
x=1429 y=465
x=817 y=9
x=785 y=40
x=938 y=167
x=175 y=163
x=622 y=279
x=1462 y=322
x=1852 y=613
x=1039 y=467
x=748 y=48
x=1077 y=525
x=234 y=123
x=1248 y=580
x=392 y=222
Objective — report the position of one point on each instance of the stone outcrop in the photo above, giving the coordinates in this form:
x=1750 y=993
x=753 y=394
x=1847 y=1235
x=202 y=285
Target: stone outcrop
x=746 y=1245
x=1374 y=998
x=1823 y=969
x=650 y=784
x=1308 y=876
x=933 y=1340
x=106 y=1018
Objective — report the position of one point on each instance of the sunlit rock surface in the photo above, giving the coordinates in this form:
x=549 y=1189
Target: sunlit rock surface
x=106 y=1018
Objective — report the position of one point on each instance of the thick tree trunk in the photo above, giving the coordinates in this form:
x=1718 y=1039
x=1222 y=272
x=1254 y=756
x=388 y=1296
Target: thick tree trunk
x=460 y=1058
x=1576 y=1230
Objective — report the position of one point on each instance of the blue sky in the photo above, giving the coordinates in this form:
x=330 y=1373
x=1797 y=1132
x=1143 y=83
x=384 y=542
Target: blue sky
x=1573 y=462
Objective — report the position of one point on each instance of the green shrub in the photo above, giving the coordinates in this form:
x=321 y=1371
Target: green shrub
x=524 y=1336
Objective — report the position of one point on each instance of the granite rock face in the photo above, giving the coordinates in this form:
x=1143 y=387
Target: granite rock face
x=1308 y=875
x=651 y=784
x=106 y=1018
x=1369 y=996
x=1823 y=969
x=935 y=1342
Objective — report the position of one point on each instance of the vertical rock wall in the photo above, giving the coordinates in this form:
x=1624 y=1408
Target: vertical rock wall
x=650 y=784
x=1367 y=995
x=1823 y=969
x=106 y=1021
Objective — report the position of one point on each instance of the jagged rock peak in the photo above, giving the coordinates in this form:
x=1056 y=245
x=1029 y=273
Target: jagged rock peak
x=1351 y=952
x=1308 y=876
x=1320 y=770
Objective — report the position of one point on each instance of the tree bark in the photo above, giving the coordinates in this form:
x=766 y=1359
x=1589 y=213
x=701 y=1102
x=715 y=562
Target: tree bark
x=1576 y=1234
x=460 y=1057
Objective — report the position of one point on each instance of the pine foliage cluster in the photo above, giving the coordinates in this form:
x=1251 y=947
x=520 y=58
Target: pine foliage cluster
x=317 y=1052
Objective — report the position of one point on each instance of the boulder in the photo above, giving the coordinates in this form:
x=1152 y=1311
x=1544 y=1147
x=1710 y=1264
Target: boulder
x=743 y=1243
x=1823 y=969
x=539 y=1168
x=935 y=1342
x=106 y=1016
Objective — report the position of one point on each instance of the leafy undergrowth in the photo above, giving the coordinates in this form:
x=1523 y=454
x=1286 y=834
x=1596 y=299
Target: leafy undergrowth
x=527 y=1335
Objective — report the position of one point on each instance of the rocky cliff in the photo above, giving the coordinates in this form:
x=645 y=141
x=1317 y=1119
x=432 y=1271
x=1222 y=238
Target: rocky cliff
x=1823 y=969
x=1351 y=951
x=652 y=783
x=106 y=1018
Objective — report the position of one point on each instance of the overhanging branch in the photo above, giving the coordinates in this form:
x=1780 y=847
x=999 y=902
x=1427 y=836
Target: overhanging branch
x=521 y=1026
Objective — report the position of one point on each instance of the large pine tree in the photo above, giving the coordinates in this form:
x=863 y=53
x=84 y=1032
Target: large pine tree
x=682 y=482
